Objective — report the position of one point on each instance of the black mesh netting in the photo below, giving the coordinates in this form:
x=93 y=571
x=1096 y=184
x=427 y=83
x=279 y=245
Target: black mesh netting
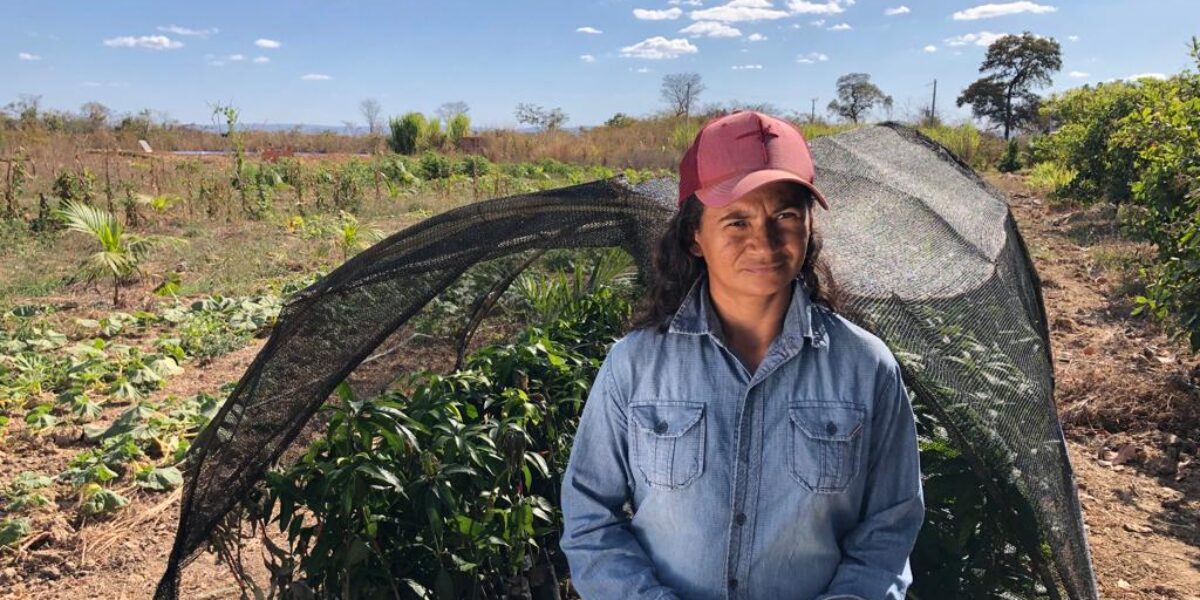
x=927 y=252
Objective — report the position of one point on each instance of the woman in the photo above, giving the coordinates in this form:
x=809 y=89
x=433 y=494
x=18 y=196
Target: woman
x=744 y=440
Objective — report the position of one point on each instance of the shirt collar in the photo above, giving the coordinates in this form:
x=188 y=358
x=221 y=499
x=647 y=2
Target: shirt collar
x=696 y=315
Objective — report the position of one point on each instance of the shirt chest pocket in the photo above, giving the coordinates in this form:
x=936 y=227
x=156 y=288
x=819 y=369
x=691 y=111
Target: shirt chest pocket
x=668 y=442
x=826 y=442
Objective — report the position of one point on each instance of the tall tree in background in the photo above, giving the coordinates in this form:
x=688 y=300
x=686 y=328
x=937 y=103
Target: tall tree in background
x=372 y=113
x=534 y=114
x=1017 y=64
x=857 y=96
x=448 y=110
x=681 y=91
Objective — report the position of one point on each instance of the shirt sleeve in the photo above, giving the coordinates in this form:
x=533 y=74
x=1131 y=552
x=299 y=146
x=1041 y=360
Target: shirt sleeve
x=874 y=563
x=606 y=560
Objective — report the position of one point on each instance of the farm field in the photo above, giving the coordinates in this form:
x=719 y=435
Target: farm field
x=155 y=367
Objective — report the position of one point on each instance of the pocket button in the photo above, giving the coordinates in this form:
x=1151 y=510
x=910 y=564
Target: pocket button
x=661 y=427
x=831 y=428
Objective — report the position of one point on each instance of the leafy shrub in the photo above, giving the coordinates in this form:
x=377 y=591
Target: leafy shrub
x=1011 y=160
x=447 y=484
x=406 y=132
x=1050 y=178
x=458 y=128
x=435 y=166
x=1140 y=143
x=474 y=165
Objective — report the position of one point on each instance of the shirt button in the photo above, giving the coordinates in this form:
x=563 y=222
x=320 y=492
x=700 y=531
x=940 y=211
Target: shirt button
x=733 y=584
x=831 y=428
x=661 y=427
x=740 y=519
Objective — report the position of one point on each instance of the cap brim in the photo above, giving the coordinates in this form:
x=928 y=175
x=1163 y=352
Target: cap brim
x=731 y=189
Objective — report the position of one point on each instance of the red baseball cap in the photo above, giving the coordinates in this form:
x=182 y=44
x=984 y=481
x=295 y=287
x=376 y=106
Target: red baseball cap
x=736 y=153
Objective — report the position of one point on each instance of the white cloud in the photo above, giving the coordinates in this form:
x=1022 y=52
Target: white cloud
x=236 y=57
x=832 y=7
x=153 y=42
x=1146 y=76
x=930 y=48
x=899 y=10
x=756 y=37
x=587 y=58
x=811 y=58
x=316 y=77
x=1073 y=38
x=27 y=56
x=736 y=11
x=1078 y=74
x=642 y=70
x=177 y=30
x=687 y=2
x=261 y=60
x=659 y=47
x=983 y=38
x=817 y=23
x=747 y=67
x=669 y=14
x=988 y=11
x=711 y=29
x=265 y=43
x=841 y=27
x=591 y=30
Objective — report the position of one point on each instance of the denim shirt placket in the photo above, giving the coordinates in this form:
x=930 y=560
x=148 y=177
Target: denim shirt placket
x=697 y=317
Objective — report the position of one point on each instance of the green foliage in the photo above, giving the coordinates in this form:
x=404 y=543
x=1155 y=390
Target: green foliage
x=458 y=128
x=619 y=120
x=120 y=254
x=435 y=166
x=1140 y=143
x=1050 y=178
x=1087 y=119
x=1011 y=160
x=447 y=483
x=407 y=132
x=13 y=531
x=683 y=134
x=964 y=141
x=1015 y=65
x=98 y=501
x=23 y=493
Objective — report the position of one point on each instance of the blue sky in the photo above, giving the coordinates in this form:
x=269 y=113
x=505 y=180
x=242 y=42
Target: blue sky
x=309 y=61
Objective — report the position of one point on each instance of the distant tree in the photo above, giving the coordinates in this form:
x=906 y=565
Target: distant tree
x=1017 y=64
x=619 y=120
x=681 y=92
x=372 y=113
x=533 y=114
x=96 y=114
x=857 y=96
x=447 y=110
x=26 y=109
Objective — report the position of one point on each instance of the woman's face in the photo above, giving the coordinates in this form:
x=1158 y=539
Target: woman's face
x=755 y=245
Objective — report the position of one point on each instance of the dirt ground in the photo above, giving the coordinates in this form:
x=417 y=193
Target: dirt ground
x=1129 y=400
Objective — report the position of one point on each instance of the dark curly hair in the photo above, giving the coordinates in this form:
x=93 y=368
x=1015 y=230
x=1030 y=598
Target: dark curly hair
x=675 y=269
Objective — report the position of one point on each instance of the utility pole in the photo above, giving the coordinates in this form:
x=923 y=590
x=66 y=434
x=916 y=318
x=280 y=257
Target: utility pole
x=933 y=105
x=812 y=115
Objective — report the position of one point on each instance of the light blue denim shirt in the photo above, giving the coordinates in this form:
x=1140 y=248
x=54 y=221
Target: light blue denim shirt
x=800 y=481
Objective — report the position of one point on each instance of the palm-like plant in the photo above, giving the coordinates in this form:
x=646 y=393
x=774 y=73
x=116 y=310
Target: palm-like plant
x=352 y=236
x=120 y=255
